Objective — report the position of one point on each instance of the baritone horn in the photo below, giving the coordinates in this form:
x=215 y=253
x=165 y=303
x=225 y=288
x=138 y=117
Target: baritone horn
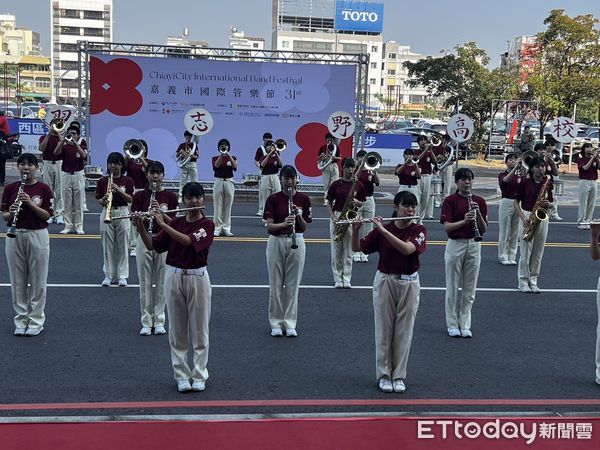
x=527 y=158
x=134 y=148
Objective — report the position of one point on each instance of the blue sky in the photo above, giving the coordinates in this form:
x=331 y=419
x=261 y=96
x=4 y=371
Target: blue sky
x=426 y=25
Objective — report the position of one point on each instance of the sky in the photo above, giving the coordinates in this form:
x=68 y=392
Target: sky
x=427 y=26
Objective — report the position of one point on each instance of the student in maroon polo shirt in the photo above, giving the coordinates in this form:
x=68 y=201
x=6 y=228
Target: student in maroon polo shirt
x=545 y=152
x=136 y=170
x=51 y=172
x=427 y=164
x=463 y=253
x=224 y=166
x=369 y=179
x=532 y=251
x=27 y=254
x=150 y=264
x=189 y=172
x=115 y=235
x=445 y=173
x=588 y=165
x=270 y=165
x=284 y=263
x=4 y=132
x=595 y=250
x=331 y=171
x=408 y=174
x=187 y=240
x=260 y=152
x=74 y=155
x=508 y=220
x=396 y=288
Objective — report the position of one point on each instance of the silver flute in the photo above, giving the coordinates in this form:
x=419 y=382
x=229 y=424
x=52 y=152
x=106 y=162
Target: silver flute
x=478 y=236
x=11 y=232
x=153 y=188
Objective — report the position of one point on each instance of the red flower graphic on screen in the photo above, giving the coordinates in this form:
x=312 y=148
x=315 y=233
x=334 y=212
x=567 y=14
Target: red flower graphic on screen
x=310 y=137
x=113 y=86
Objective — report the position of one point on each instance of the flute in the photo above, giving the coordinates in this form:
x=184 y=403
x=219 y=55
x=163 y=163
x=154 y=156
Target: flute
x=290 y=212
x=148 y=214
x=368 y=220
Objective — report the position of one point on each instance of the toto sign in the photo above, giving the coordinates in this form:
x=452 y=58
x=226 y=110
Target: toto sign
x=358 y=16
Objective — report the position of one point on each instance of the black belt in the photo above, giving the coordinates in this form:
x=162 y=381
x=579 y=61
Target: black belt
x=224 y=179
x=51 y=162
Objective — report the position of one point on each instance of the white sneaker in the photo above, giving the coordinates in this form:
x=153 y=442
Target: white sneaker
x=356 y=258
x=276 y=332
x=398 y=385
x=291 y=332
x=122 y=282
x=535 y=289
x=453 y=332
x=385 y=385
x=217 y=233
x=132 y=253
x=557 y=218
x=198 y=386
x=80 y=231
x=66 y=231
x=524 y=288
x=145 y=331
x=505 y=262
x=20 y=331
x=338 y=285
x=159 y=330
x=34 y=331
x=364 y=258
x=183 y=385
x=466 y=333
x=346 y=285
x=226 y=233
x=60 y=220
x=50 y=220
x=106 y=281
x=259 y=213
x=512 y=262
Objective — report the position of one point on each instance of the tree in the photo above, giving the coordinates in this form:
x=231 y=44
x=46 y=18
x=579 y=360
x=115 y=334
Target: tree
x=567 y=65
x=464 y=77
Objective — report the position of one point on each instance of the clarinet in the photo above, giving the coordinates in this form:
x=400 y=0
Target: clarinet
x=478 y=236
x=290 y=211
x=11 y=231
x=153 y=188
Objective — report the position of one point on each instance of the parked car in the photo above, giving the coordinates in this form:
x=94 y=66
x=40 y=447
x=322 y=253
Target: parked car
x=23 y=112
x=396 y=127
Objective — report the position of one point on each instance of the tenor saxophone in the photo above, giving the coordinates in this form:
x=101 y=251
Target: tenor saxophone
x=538 y=214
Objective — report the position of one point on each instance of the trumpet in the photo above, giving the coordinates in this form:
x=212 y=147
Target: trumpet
x=435 y=140
x=69 y=137
x=280 y=145
x=146 y=215
x=134 y=149
x=57 y=125
x=11 y=232
x=369 y=220
x=223 y=146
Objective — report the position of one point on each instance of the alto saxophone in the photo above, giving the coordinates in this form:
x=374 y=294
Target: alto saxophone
x=349 y=212
x=538 y=214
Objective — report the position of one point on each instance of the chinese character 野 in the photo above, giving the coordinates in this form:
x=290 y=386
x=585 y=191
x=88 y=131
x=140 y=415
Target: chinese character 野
x=200 y=124
x=566 y=127
x=341 y=121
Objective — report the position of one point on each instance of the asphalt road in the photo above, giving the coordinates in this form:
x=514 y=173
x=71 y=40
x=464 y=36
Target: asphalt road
x=529 y=352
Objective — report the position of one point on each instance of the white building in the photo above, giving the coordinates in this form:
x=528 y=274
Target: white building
x=15 y=41
x=72 y=21
x=184 y=41
x=312 y=26
x=239 y=40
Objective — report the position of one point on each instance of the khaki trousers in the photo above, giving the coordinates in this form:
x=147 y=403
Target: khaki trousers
x=73 y=191
x=587 y=199
x=448 y=179
x=223 y=192
x=188 y=306
x=285 y=266
x=189 y=172
x=530 y=259
x=115 y=244
x=395 y=304
x=151 y=271
x=598 y=335
x=27 y=257
x=330 y=174
x=425 y=201
x=341 y=255
x=269 y=184
x=261 y=200
x=508 y=221
x=462 y=259
x=52 y=174
x=367 y=211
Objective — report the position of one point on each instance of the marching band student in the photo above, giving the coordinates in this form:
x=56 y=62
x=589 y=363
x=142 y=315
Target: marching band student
x=285 y=264
x=150 y=264
x=532 y=251
x=331 y=171
x=260 y=152
x=189 y=172
x=270 y=165
x=27 y=254
x=545 y=152
x=136 y=170
x=51 y=172
x=396 y=288
x=408 y=174
x=115 y=235
x=595 y=249
x=588 y=165
x=445 y=173
x=508 y=220
x=186 y=240
x=223 y=190
x=337 y=195
x=463 y=215
x=74 y=155
x=427 y=164
x=4 y=133
x=369 y=179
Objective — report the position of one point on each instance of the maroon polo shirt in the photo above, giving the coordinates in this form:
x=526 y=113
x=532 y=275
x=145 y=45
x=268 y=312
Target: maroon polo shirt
x=225 y=170
x=510 y=189
x=272 y=166
x=407 y=176
x=589 y=174
x=339 y=190
x=277 y=208
x=193 y=256
x=137 y=173
x=190 y=145
x=40 y=194
x=391 y=261
x=72 y=160
x=260 y=152
x=335 y=152
x=366 y=177
x=427 y=164
x=125 y=185
x=454 y=208
x=529 y=190
x=48 y=153
x=167 y=200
